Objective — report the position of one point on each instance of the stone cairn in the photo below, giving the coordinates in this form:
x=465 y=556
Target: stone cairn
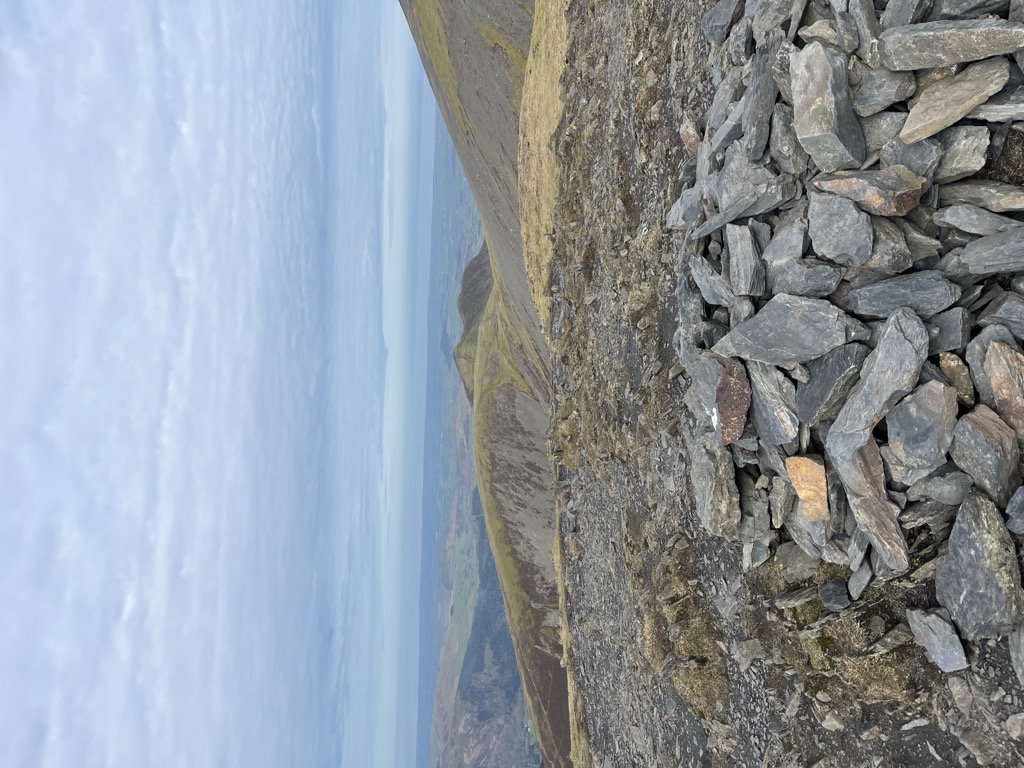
x=851 y=311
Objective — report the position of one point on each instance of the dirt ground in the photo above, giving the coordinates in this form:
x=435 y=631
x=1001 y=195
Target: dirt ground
x=658 y=614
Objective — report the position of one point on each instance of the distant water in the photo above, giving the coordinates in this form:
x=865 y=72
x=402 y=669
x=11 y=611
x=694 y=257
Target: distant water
x=167 y=435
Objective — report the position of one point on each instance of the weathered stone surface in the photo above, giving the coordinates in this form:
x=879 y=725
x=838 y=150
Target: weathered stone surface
x=736 y=209
x=1001 y=252
x=944 y=103
x=921 y=245
x=781 y=73
x=783 y=145
x=900 y=13
x=780 y=500
x=868 y=30
x=992 y=195
x=839 y=230
x=732 y=128
x=1008 y=105
x=939 y=43
x=796 y=564
x=878 y=89
x=881 y=128
x=826 y=125
x=921 y=157
x=769 y=17
x=823 y=30
x=1004 y=367
x=714 y=486
x=930 y=513
x=947 y=485
x=927 y=293
x=846 y=28
x=729 y=91
x=859 y=581
x=967 y=9
x=986 y=449
x=732 y=399
x=938 y=638
x=920 y=429
x=889 y=192
x=966 y=148
x=977 y=221
x=719 y=20
x=954 y=329
x=977 y=350
x=712 y=286
x=805 y=277
x=741 y=41
x=955 y=370
x=807 y=474
x=746 y=270
x=772 y=406
x=833 y=595
x=890 y=253
x=762 y=93
x=791 y=330
x=978 y=581
x=1015 y=512
x=789 y=240
x=810 y=535
x=832 y=376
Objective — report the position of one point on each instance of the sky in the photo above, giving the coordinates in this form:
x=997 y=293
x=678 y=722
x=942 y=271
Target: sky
x=210 y=215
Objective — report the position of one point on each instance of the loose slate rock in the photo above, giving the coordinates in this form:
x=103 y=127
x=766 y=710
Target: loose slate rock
x=953 y=332
x=1001 y=252
x=839 y=230
x=955 y=370
x=900 y=13
x=772 y=404
x=947 y=485
x=1004 y=367
x=806 y=277
x=714 y=289
x=881 y=128
x=762 y=92
x=732 y=399
x=807 y=474
x=920 y=429
x=746 y=270
x=967 y=9
x=1008 y=105
x=890 y=252
x=977 y=350
x=833 y=595
x=940 y=43
x=975 y=220
x=945 y=102
x=859 y=581
x=868 y=30
x=938 y=638
x=995 y=196
x=986 y=448
x=1015 y=512
x=921 y=157
x=719 y=20
x=826 y=125
x=965 y=152
x=791 y=330
x=713 y=477
x=978 y=581
x=892 y=191
x=880 y=88
x=832 y=376
x=927 y=293
x=783 y=145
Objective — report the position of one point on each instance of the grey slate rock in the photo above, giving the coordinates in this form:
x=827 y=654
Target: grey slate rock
x=977 y=351
x=859 y=581
x=1007 y=311
x=880 y=128
x=936 y=516
x=892 y=191
x=832 y=376
x=921 y=157
x=921 y=245
x=954 y=329
x=730 y=90
x=947 y=485
x=783 y=145
x=975 y=220
x=900 y=13
x=714 y=486
x=736 y=209
x=712 y=286
x=839 y=230
x=796 y=564
x=846 y=29
x=940 y=43
x=995 y=196
x=805 y=277
x=732 y=128
x=772 y=406
x=781 y=72
x=825 y=123
x=823 y=30
x=868 y=30
x=968 y=9
x=890 y=252
x=833 y=595
x=978 y=581
x=878 y=89
x=746 y=270
x=985 y=447
x=945 y=102
x=769 y=17
x=920 y=429
x=717 y=22
x=741 y=41
x=1015 y=512
x=790 y=330
x=938 y=638
x=789 y=241
x=1016 y=643
x=1001 y=252
x=1003 y=107
x=762 y=93
x=966 y=150
x=927 y=293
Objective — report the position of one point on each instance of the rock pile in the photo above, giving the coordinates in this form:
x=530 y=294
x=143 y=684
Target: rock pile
x=852 y=313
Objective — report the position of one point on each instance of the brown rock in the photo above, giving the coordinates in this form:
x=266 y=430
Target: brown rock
x=893 y=191
x=807 y=474
x=732 y=398
x=1005 y=369
x=956 y=371
x=986 y=448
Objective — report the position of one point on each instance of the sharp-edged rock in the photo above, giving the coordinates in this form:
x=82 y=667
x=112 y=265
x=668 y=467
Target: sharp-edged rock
x=780 y=501
x=732 y=128
x=807 y=474
x=826 y=125
x=1003 y=107
x=891 y=191
x=772 y=404
x=900 y=13
x=732 y=400
x=791 y=330
x=921 y=245
x=947 y=485
x=953 y=332
x=978 y=581
x=783 y=145
x=944 y=103
x=968 y=9
x=839 y=230
x=977 y=350
x=823 y=31
x=762 y=93
x=1001 y=252
x=868 y=30
x=781 y=73
x=878 y=89
x=955 y=370
x=940 y=641
x=940 y=43
x=833 y=595
x=719 y=20
x=975 y=220
x=920 y=429
x=1015 y=512
x=921 y=157
x=859 y=581
x=927 y=293
x=890 y=253
x=713 y=478
x=729 y=91
x=965 y=152
x=1004 y=367
x=995 y=196
x=881 y=128
x=831 y=377
x=985 y=447
x=712 y=286
x=746 y=270
x=805 y=277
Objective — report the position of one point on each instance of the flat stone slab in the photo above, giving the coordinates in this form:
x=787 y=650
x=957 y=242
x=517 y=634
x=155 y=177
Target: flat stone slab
x=805 y=277
x=920 y=429
x=921 y=157
x=791 y=330
x=965 y=152
x=975 y=220
x=826 y=125
x=1001 y=252
x=772 y=406
x=879 y=89
x=713 y=477
x=1008 y=105
x=996 y=196
x=892 y=191
x=947 y=101
x=940 y=43
x=985 y=447
x=717 y=22
x=1008 y=311
x=839 y=230
x=830 y=379
x=978 y=581
x=927 y=293
x=940 y=641
x=947 y=485
x=1005 y=369
x=954 y=329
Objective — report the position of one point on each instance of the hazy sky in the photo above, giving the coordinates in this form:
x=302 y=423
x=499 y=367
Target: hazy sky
x=207 y=216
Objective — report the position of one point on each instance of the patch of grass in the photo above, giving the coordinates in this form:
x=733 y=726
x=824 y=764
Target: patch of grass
x=434 y=32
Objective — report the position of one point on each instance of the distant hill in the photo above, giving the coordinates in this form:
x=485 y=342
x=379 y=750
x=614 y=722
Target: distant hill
x=475 y=56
